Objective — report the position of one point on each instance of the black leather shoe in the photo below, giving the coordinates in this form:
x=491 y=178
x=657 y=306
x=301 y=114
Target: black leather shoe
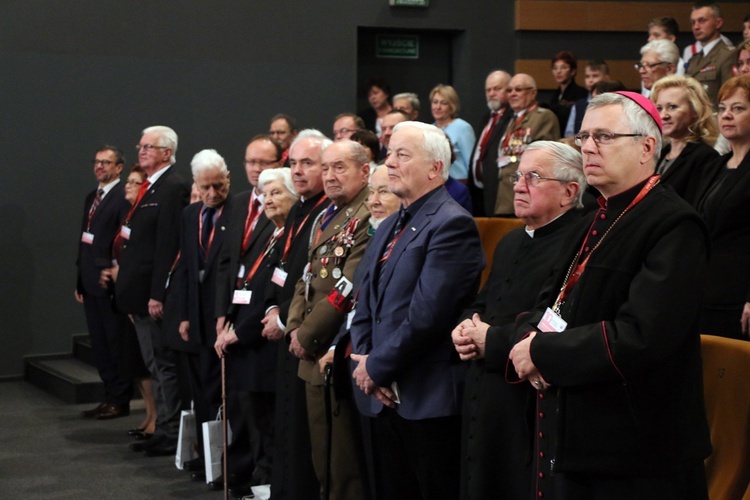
x=113 y=411
x=135 y=431
x=194 y=465
x=143 y=436
x=147 y=443
x=93 y=412
x=217 y=484
x=163 y=449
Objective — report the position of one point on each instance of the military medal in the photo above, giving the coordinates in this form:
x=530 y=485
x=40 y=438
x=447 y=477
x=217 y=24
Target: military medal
x=513 y=159
x=338 y=252
x=336 y=273
x=322 y=250
x=324 y=273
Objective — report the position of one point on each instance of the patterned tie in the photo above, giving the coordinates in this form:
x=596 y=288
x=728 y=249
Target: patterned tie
x=95 y=205
x=486 y=134
x=403 y=218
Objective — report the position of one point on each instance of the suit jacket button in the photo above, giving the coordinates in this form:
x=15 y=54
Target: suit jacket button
x=377 y=320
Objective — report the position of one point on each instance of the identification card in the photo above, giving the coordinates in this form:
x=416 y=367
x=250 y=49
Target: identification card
x=279 y=276
x=125 y=232
x=87 y=238
x=242 y=297
x=551 y=322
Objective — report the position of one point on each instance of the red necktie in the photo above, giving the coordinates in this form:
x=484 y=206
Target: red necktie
x=252 y=217
x=486 y=134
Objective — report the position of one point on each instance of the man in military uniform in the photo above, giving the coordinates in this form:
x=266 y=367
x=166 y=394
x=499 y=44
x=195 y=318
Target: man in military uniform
x=322 y=298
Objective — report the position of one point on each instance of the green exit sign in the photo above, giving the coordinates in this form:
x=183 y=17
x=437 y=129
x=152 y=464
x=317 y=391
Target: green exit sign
x=410 y=3
x=397 y=46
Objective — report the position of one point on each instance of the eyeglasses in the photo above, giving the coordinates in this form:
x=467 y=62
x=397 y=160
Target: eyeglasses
x=532 y=178
x=103 y=163
x=601 y=138
x=518 y=89
x=343 y=131
x=643 y=65
x=133 y=183
x=261 y=163
x=148 y=147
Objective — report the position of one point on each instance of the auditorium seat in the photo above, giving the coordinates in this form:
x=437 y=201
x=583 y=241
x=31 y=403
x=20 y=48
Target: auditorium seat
x=726 y=376
x=491 y=231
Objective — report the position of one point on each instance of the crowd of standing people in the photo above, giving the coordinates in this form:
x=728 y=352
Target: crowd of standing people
x=337 y=302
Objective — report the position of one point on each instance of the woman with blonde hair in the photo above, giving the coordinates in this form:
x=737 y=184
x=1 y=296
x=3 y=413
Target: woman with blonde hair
x=445 y=104
x=691 y=131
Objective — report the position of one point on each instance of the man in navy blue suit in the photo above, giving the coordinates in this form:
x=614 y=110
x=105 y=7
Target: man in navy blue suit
x=423 y=268
x=103 y=212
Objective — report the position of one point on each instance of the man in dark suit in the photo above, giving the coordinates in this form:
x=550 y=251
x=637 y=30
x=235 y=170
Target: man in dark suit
x=103 y=212
x=497 y=421
x=202 y=234
x=484 y=176
x=293 y=476
x=247 y=234
x=151 y=234
x=612 y=345
x=423 y=269
x=322 y=299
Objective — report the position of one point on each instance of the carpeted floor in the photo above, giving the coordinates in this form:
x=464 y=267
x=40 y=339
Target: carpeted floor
x=48 y=451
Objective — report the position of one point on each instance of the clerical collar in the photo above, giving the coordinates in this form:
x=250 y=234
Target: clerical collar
x=619 y=202
x=549 y=226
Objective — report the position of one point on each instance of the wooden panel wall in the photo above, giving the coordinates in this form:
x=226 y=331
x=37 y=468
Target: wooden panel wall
x=551 y=15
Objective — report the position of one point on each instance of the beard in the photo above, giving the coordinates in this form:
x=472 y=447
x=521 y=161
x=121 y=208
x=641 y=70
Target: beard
x=494 y=105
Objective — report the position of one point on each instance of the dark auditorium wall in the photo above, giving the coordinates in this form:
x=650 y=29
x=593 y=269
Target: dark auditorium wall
x=77 y=74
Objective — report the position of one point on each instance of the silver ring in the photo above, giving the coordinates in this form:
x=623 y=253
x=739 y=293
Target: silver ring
x=537 y=383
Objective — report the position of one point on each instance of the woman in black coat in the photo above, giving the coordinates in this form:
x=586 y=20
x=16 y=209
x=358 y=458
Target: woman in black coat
x=725 y=205
x=689 y=124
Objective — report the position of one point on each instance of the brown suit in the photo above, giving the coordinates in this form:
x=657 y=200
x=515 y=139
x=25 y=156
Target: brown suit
x=543 y=126
x=319 y=322
x=712 y=70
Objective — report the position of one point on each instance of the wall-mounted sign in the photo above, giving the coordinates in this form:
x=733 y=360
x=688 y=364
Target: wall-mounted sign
x=410 y=3
x=397 y=46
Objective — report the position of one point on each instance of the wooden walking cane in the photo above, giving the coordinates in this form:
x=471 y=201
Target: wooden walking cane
x=224 y=422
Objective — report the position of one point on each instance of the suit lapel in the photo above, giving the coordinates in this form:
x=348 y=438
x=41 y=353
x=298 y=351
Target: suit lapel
x=219 y=234
x=412 y=230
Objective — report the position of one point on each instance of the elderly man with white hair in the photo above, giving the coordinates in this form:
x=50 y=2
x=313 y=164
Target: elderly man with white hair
x=548 y=188
x=612 y=346
x=151 y=239
x=659 y=58
x=422 y=269
x=193 y=285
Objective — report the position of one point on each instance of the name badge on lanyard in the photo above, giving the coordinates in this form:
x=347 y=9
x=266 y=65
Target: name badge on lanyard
x=279 y=276
x=551 y=322
x=125 y=232
x=242 y=297
x=87 y=238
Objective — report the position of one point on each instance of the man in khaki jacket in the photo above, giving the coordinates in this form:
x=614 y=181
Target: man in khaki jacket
x=322 y=300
